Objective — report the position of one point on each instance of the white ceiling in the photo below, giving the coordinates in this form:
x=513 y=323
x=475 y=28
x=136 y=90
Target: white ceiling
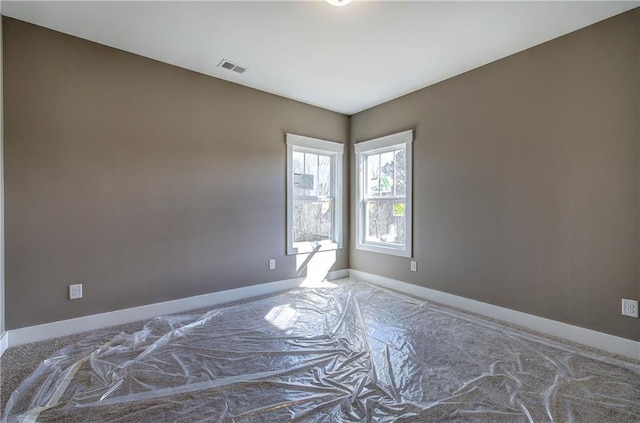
x=345 y=59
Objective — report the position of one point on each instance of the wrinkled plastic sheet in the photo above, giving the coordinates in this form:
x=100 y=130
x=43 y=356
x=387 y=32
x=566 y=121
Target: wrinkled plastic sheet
x=347 y=353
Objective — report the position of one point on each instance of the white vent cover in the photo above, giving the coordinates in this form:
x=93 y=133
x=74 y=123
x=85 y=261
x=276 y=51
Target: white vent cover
x=226 y=64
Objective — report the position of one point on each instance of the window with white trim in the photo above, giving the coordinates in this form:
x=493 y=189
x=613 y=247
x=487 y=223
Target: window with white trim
x=383 y=215
x=314 y=194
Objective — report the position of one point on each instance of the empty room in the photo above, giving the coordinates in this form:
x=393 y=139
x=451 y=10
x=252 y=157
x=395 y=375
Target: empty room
x=320 y=211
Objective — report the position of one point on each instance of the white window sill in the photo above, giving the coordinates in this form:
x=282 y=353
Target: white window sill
x=380 y=249
x=312 y=247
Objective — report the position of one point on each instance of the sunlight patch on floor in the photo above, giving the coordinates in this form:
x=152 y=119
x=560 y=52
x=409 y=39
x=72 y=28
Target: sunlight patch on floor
x=317 y=266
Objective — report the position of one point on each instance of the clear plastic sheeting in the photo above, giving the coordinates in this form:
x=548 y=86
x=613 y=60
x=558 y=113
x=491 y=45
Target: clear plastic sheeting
x=347 y=353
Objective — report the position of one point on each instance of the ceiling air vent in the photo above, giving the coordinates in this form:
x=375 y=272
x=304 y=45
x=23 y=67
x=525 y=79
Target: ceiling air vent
x=225 y=64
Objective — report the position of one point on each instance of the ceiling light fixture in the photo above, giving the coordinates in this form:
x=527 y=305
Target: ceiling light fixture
x=338 y=2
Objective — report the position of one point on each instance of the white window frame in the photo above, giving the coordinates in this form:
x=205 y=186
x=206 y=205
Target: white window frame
x=335 y=151
x=378 y=145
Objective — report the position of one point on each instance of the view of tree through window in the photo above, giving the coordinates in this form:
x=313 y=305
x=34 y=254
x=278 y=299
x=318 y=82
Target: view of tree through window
x=385 y=196
x=313 y=203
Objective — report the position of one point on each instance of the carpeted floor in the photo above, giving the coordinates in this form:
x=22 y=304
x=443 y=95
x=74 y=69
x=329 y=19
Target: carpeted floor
x=19 y=362
x=346 y=352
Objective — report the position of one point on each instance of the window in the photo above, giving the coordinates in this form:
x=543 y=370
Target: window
x=383 y=216
x=314 y=194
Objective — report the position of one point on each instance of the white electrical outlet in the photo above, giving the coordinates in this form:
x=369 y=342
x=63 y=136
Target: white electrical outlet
x=75 y=291
x=629 y=308
x=272 y=264
x=414 y=266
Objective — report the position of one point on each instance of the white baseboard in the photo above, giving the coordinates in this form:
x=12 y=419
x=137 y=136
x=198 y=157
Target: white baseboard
x=592 y=338
x=603 y=341
x=45 y=331
x=4 y=343
x=338 y=274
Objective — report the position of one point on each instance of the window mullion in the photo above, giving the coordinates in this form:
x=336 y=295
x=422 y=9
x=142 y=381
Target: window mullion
x=387 y=199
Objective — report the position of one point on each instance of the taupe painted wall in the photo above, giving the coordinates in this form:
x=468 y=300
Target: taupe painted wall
x=148 y=182
x=143 y=181
x=526 y=179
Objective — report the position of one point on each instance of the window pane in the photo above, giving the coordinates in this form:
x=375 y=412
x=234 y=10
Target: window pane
x=298 y=162
x=324 y=176
x=312 y=220
x=387 y=171
x=373 y=175
x=401 y=172
x=386 y=221
x=298 y=171
x=311 y=173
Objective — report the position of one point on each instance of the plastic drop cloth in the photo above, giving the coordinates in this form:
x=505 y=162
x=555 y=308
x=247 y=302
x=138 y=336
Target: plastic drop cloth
x=350 y=353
